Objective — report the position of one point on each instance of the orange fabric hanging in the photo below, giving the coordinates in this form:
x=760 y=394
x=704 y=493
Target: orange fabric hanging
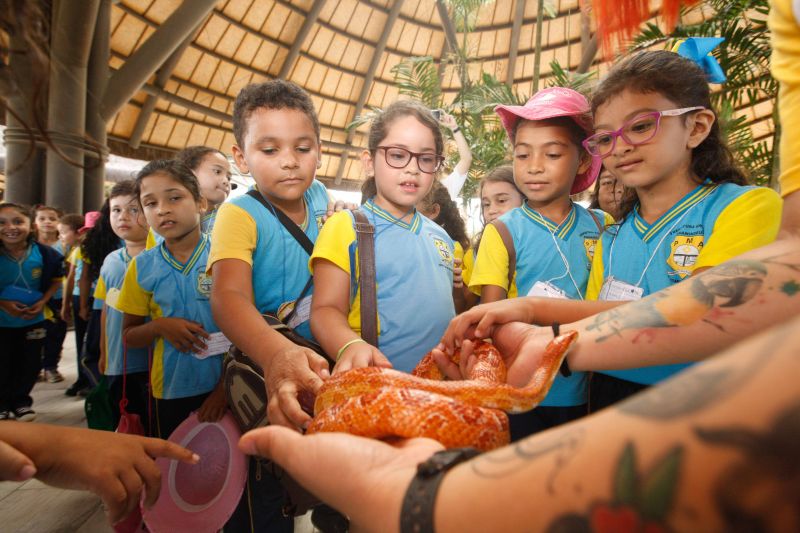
x=619 y=19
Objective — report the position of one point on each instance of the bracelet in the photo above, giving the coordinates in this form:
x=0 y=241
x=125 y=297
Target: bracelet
x=456 y=130
x=565 y=371
x=417 y=511
x=347 y=345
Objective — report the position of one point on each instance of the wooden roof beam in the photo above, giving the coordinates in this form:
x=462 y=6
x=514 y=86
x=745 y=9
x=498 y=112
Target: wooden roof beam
x=162 y=77
x=514 y=44
x=145 y=61
x=365 y=88
x=294 y=51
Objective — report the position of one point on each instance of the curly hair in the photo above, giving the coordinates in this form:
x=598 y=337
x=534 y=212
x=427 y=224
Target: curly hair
x=683 y=82
x=379 y=129
x=449 y=217
x=25 y=211
x=274 y=94
x=101 y=239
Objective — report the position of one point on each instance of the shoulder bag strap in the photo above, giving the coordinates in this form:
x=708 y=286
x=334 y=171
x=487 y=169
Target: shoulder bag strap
x=366 y=279
x=508 y=242
x=298 y=234
x=600 y=227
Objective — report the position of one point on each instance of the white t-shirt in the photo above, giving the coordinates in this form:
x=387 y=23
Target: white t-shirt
x=454 y=183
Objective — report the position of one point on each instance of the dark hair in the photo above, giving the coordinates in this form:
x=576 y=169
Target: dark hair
x=101 y=240
x=192 y=156
x=576 y=133
x=449 y=218
x=379 y=129
x=73 y=220
x=174 y=169
x=274 y=94
x=683 y=82
x=42 y=207
x=25 y=211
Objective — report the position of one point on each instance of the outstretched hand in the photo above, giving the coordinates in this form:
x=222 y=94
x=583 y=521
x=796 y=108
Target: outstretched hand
x=115 y=466
x=521 y=346
x=365 y=479
x=481 y=321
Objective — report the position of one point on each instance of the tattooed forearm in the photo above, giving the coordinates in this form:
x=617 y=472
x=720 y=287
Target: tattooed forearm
x=759 y=492
x=504 y=462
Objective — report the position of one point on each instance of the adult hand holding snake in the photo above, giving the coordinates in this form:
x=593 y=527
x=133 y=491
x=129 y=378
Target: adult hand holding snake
x=521 y=346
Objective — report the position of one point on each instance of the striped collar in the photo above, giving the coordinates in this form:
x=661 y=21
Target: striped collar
x=647 y=231
x=562 y=231
x=126 y=257
x=187 y=267
x=208 y=216
x=413 y=226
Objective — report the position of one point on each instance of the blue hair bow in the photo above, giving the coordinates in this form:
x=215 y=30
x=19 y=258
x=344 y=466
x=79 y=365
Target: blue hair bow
x=698 y=50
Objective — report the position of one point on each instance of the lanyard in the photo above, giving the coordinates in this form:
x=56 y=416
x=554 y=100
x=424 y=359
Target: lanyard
x=568 y=272
x=657 y=248
x=19 y=262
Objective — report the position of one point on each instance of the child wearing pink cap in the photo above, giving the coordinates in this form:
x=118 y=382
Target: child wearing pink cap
x=544 y=248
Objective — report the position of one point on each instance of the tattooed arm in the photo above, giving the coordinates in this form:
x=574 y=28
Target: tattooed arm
x=695 y=453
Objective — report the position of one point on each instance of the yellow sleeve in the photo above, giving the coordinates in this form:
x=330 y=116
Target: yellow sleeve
x=749 y=222
x=785 y=29
x=100 y=289
x=458 y=251
x=151 y=241
x=597 y=273
x=334 y=241
x=608 y=220
x=132 y=298
x=468 y=265
x=74 y=255
x=491 y=265
x=234 y=236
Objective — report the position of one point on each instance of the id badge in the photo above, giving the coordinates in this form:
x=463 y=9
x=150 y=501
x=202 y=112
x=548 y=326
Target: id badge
x=615 y=290
x=302 y=313
x=546 y=289
x=216 y=343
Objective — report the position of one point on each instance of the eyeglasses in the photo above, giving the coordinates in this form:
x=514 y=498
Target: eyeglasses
x=397 y=157
x=636 y=131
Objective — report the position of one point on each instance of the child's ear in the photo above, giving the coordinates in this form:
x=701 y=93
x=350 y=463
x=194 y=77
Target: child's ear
x=369 y=166
x=701 y=127
x=238 y=158
x=203 y=204
x=585 y=161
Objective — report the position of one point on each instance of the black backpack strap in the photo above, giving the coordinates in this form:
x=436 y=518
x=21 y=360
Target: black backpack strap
x=366 y=278
x=298 y=234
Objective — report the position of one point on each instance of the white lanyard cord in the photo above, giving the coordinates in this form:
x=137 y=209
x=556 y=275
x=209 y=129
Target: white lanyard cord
x=566 y=265
x=657 y=248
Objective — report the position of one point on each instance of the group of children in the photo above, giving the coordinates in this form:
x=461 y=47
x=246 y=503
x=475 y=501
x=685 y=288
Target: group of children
x=174 y=268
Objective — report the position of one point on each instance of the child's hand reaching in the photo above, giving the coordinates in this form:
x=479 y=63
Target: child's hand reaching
x=359 y=355
x=458 y=281
x=185 y=335
x=214 y=406
x=15 y=309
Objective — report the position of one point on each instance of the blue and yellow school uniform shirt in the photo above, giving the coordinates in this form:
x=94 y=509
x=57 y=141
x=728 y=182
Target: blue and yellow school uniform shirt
x=25 y=273
x=76 y=258
x=543 y=250
x=156 y=285
x=112 y=274
x=414 y=279
x=708 y=226
x=59 y=247
x=208 y=220
x=247 y=231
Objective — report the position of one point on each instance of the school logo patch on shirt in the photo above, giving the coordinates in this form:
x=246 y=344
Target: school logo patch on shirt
x=36 y=273
x=444 y=251
x=589 y=245
x=683 y=254
x=203 y=285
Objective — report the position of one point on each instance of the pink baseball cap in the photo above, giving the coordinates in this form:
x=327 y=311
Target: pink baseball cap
x=90 y=220
x=551 y=103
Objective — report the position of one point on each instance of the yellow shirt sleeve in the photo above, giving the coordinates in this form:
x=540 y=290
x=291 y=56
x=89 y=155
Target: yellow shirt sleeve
x=234 y=236
x=132 y=298
x=597 y=273
x=785 y=28
x=749 y=222
x=334 y=242
x=74 y=255
x=468 y=265
x=491 y=265
x=151 y=241
x=100 y=289
x=608 y=220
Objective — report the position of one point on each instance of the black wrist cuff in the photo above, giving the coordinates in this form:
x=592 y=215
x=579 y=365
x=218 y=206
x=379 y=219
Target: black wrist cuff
x=565 y=371
x=416 y=515
x=456 y=130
